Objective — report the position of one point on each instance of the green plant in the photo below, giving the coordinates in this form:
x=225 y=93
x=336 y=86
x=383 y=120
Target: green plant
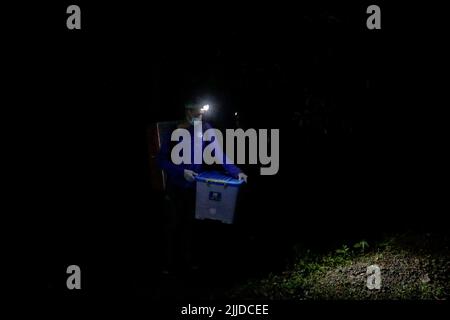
x=363 y=244
x=341 y=274
x=344 y=251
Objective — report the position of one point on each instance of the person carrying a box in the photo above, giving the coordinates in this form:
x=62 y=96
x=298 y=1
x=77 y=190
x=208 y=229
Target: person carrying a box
x=180 y=193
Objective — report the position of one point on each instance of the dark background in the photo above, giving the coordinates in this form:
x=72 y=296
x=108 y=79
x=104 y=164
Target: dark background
x=366 y=161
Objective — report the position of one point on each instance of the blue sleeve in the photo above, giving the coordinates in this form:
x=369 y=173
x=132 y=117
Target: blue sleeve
x=164 y=161
x=230 y=169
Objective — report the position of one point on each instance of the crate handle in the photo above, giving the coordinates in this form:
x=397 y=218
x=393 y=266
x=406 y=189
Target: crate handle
x=224 y=183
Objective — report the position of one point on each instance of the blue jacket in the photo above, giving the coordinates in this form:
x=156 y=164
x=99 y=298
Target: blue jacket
x=175 y=173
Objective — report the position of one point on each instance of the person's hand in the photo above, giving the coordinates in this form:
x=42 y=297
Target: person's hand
x=242 y=176
x=189 y=175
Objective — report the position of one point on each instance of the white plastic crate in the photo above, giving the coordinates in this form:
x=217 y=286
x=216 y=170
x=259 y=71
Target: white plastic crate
x=216 y=197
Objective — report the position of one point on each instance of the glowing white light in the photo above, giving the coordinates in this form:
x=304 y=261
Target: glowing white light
x=235 y=113
x=205 y=107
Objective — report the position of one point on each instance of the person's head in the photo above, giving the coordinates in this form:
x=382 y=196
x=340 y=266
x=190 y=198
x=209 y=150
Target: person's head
x=193 y=113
